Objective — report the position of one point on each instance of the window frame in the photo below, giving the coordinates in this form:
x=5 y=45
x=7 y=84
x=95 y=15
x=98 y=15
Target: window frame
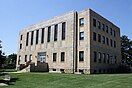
x=94 y=36
x=49 y=34
x=55 y=32
x=81 y=35
x=94 y=22
x=63 y=31
x=54 y=57
x=81 y=56
x=62 y=56
x=37 y=36
x=81 y=22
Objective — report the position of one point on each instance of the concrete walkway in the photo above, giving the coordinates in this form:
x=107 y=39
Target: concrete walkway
x=3 y=84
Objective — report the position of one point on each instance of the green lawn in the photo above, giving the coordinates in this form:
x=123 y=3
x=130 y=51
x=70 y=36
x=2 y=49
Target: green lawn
x=7 y=70
x=52 y=80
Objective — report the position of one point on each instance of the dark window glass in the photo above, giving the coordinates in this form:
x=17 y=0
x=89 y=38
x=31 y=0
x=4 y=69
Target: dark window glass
x=54 y=57
x=94 y=36
x=56 y=32
x=37 y=35
x=81 y=21
x=114 y=33
x=21 y=37
x=94 y=22
x=107 y=41
x=62 y=56
x=99 y=25
x=103 y=56
x=111 y=42
x=107 y=58
x=27 y=39
x=95 y=56
x=20 y=46
x=115 y=60
x=103 y=27
x=81 y=55
x=49 y=31
x=115 y=44
x=32 y=35
x=107 y=29
x=99 y=38
x=30 y=57
x=25 y=58
x=63 y=30
x=81 y=35
x=42 y=36
x=111 y=31
x=103 y=39
x=19 y=60
x=99 y=57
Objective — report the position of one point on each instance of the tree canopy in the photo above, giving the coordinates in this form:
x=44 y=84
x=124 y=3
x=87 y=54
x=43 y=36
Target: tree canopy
x=126 y=50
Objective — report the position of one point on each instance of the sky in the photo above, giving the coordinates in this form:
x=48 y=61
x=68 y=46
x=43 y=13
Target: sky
x=17 y=14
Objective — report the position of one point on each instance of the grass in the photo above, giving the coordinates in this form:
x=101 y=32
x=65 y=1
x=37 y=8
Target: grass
x=7 y=70
x=50 y=80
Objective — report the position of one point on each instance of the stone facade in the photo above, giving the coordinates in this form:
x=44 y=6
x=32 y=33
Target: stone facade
x=71 y=48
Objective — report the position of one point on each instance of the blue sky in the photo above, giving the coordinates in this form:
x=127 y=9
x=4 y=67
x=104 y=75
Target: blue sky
x=17 y=14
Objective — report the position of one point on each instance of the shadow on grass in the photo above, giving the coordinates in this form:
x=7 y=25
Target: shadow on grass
x=11 y=82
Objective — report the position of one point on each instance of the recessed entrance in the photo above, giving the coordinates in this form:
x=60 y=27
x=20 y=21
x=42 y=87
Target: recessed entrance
x=41 y=57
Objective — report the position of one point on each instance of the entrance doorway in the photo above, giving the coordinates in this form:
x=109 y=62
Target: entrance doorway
x=42 y=57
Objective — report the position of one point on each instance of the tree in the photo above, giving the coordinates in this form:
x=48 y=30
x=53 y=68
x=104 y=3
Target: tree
x=126 y=50
x=11 y=59
x=2 y=57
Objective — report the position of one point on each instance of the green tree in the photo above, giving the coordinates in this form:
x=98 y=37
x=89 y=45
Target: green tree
x=11 y=59
x=126 y=50
x=2 y=57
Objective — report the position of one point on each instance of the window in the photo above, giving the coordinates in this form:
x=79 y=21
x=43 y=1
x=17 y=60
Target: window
x=99 y=57
x=94 y=22
x=48 y=37
x=62 y=56
x=111 y=42
x=103 y=39
x=20 y=46
x=107 y=29
x=95 y=56
x=94 y=36
x=30 y=57
x=81 y=35
x=25 y=58
x=107 y=41
x=19 y=60
x=114 y=44
x=111 y=31
x=42 y=36
x=81 y=21
x=107 y=58
x=114 y=33
x=99 y=25
x=115 y=60
x=54 y=57
x=27 y=39
x=103 y=56
x=63 y=30
x=32 y=35
x=81 y=55
x=99 y=38
x=54 y=69
x=21 y=37
x=103 y=27
x=37 y=35
x=56 y=32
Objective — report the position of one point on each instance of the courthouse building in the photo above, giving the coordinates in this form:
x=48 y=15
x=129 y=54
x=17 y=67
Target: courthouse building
x=82 y=42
